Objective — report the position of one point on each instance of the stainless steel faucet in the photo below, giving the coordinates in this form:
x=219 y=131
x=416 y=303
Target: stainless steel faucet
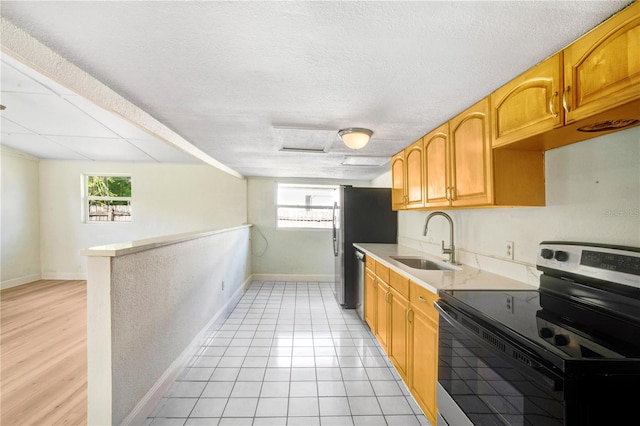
x=451 y=251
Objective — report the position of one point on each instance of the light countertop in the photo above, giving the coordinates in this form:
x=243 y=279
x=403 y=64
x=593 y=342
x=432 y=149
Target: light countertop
x=463 y=277
x=121 y=249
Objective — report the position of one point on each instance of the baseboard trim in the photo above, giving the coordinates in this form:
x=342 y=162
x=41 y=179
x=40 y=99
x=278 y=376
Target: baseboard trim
x=294 y=277
x=14 y=282
x=152 y=398
x=64 y=276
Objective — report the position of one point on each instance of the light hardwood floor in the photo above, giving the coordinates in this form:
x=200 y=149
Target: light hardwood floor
x=43 y=345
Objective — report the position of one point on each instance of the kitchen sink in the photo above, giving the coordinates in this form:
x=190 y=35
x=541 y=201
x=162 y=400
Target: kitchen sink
x=421 y=263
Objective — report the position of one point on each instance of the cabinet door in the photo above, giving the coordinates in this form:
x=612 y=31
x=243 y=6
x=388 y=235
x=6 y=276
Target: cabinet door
x=370 y=299
x=398 y=342
x=471 y=157
x=414 y=175
x=602 y=68
x=436 y=160
x=529 y=104
x=424 y=362
x=382 y=314
x=397 y=182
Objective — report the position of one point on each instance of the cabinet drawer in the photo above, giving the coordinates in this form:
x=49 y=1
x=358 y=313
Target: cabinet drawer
x=422 y=300
x=382 y=272
x=370 y=262
x=400 y=283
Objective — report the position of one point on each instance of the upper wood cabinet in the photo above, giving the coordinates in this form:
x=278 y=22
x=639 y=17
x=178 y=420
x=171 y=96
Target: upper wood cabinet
x=407 y=178
x=414 y=175
x=462 y=169
x=602 y=68
x=528 y=105
x=436 y=167
x=397 y=182
x=492 y=154
x=590 y=88
x=471 y=177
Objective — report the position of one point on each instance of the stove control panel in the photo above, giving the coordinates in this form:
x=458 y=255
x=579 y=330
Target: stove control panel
x=610 y=263
x=572 y=343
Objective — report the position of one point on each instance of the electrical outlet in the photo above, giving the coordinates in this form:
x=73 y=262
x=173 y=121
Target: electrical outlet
x=509 y=304
x=509 y=249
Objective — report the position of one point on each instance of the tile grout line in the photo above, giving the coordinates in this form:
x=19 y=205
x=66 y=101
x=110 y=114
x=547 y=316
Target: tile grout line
x=257 y=306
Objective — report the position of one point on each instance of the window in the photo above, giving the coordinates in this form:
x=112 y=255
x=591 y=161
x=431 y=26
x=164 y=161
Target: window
x=305 y=206
x=108 y=198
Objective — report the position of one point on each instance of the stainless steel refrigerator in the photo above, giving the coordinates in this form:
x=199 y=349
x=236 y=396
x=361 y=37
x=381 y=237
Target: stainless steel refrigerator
x=363 y=215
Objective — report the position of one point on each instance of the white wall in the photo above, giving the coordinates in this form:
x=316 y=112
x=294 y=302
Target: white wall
x=20 y=223
x=382 y=181
x=150 y=310
x=167 y=199
x=592 y=195
x=287 y=254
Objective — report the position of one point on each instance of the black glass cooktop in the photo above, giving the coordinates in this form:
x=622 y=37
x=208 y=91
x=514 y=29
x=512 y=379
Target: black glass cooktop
x=556 y=328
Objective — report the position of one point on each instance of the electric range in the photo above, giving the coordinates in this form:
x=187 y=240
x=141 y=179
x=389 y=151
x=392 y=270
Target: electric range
x=567 y=353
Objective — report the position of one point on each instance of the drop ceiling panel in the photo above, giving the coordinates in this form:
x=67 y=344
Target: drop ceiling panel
x=50 y=115
x=116 y=124
x=77 y=129
x=9 y=126
x=29 y=74
x=102 y=149
x=15 y=81
x=40 y=147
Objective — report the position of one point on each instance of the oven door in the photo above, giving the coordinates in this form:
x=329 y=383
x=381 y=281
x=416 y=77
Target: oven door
x=492 y=381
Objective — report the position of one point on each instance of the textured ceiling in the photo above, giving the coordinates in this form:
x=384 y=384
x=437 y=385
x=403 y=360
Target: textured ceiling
x=240 y=80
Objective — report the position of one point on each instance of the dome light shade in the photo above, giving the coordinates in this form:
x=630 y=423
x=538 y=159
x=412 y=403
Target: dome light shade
x=354 y=137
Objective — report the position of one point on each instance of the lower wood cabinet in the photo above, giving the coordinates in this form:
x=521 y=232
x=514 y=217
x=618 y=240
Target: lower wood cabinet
x=424 y=363
x=398 y=343
x=401 y=315
x=423 y=352
x=370 y=299
x=382 y=313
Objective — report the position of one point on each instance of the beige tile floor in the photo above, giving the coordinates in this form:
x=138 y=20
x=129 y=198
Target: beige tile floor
x=289 y=355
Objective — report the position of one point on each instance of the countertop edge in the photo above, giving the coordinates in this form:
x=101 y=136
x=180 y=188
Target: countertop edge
x=461 y=277
x=121 y=249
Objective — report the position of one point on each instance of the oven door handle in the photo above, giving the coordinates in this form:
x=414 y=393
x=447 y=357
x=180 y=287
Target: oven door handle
x=523 y=362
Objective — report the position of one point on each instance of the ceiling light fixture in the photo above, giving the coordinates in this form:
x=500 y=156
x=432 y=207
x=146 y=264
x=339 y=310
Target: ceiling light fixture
x=355 y=137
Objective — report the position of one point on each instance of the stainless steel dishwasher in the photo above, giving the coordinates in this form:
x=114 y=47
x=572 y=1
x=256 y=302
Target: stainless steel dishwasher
x=360 y=282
